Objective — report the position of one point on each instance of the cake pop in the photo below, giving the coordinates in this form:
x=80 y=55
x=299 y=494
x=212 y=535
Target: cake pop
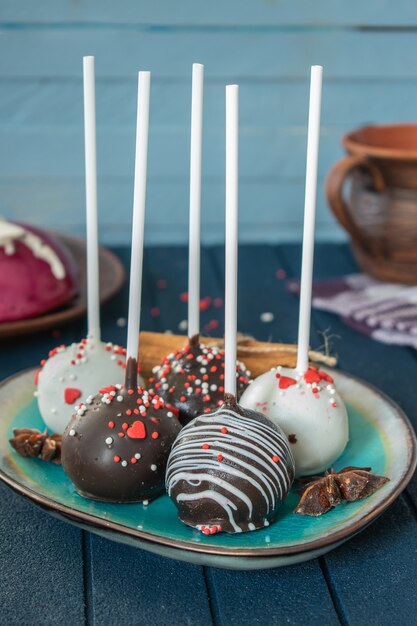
x=73 y=373
x=308 y=409
x=116 y=448
x=77 y=371
x=230 y=470
x=191 y=380
x=304 y=401
x=37 y=272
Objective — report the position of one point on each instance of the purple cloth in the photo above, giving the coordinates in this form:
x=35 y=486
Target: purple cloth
x=386 y=312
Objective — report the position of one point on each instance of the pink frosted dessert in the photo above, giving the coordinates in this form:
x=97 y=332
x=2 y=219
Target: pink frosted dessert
x=37 y=272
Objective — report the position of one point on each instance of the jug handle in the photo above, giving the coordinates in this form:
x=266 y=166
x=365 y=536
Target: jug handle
x=334 y=191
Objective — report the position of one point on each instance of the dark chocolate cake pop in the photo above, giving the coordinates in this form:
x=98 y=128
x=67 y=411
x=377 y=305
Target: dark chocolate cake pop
x=229 y=470
x=116 y=448
x=191 y=380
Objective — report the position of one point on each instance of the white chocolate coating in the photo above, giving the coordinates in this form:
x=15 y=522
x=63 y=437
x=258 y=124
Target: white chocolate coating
x=73 y=373
x=312 y=415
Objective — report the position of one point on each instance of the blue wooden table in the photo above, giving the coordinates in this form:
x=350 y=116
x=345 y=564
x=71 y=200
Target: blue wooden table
x=54 y=573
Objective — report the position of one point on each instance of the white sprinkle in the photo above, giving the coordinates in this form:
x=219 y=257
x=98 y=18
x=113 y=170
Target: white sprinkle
x=54 y=411
x=61 y=379
x=113 y=357
x=121 y=322
x=169 y=414
x=183 y=325
x=267 y=317
x=168 y=332
x=145 y=502
x=213 y=387
x=155 y=369
x=72 y=433
x=197 y=382
x=266 y=523
x=138 y=455
x=267 y=539
x=124 y=463
x=36 y=393
x=153 y=467
x=109 y=441
x=119 y=398
x=203 y=370
x=72 y=377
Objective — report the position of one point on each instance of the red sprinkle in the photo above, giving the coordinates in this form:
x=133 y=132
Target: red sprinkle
x=155 y=312
x=275 y=458
x=224 y=430
x=205 y=446
x=220 y=457
x=184 y=296
x=325 y=376
x=116 y=459
x=281 y=274
x=125 y=426
x=130 y=391
x=110 y=424
x=155 y=435
x=205 y=303
x=218 y=303
x=312 y=376
x=129 y=412
x=121 y=434
x=161 y=283
x=133 y=460
x=286 y=381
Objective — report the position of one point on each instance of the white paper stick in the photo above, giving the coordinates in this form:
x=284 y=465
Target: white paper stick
x=195 y=200
x=232 y=163
x=309 y=218
x=93 y=289
x=139 y=200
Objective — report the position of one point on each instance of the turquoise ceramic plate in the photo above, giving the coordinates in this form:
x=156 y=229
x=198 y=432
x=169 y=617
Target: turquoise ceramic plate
x=380 y=437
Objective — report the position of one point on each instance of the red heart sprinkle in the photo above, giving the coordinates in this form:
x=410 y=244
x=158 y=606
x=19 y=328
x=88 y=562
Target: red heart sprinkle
x=137 y=431
x=325 y=376
x=286 y=381
x=312 y=376
x=71 y=395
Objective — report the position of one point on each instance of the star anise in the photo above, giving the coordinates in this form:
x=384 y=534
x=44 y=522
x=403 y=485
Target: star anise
x=31 y=442
x=319 y=494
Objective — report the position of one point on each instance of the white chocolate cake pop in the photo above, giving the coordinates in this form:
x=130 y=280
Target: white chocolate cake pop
x=72 y=373
x=303 y=401
x=308 y=409
x=75 y=372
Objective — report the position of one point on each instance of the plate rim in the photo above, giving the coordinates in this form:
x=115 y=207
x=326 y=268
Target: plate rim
x=119 y=529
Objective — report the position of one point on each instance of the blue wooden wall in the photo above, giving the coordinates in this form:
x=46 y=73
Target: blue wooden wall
x=368 y=49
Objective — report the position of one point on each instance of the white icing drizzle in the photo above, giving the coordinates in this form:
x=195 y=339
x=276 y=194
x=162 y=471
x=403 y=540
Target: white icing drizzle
x=11 y=233
x=248 y=448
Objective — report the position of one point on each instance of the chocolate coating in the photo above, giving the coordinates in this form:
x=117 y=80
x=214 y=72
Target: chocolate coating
x=229 y=470
x=116 y=448
x=191 y=380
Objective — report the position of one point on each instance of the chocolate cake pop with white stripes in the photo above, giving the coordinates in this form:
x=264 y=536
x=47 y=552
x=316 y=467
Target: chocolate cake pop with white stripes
x=229 y=470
